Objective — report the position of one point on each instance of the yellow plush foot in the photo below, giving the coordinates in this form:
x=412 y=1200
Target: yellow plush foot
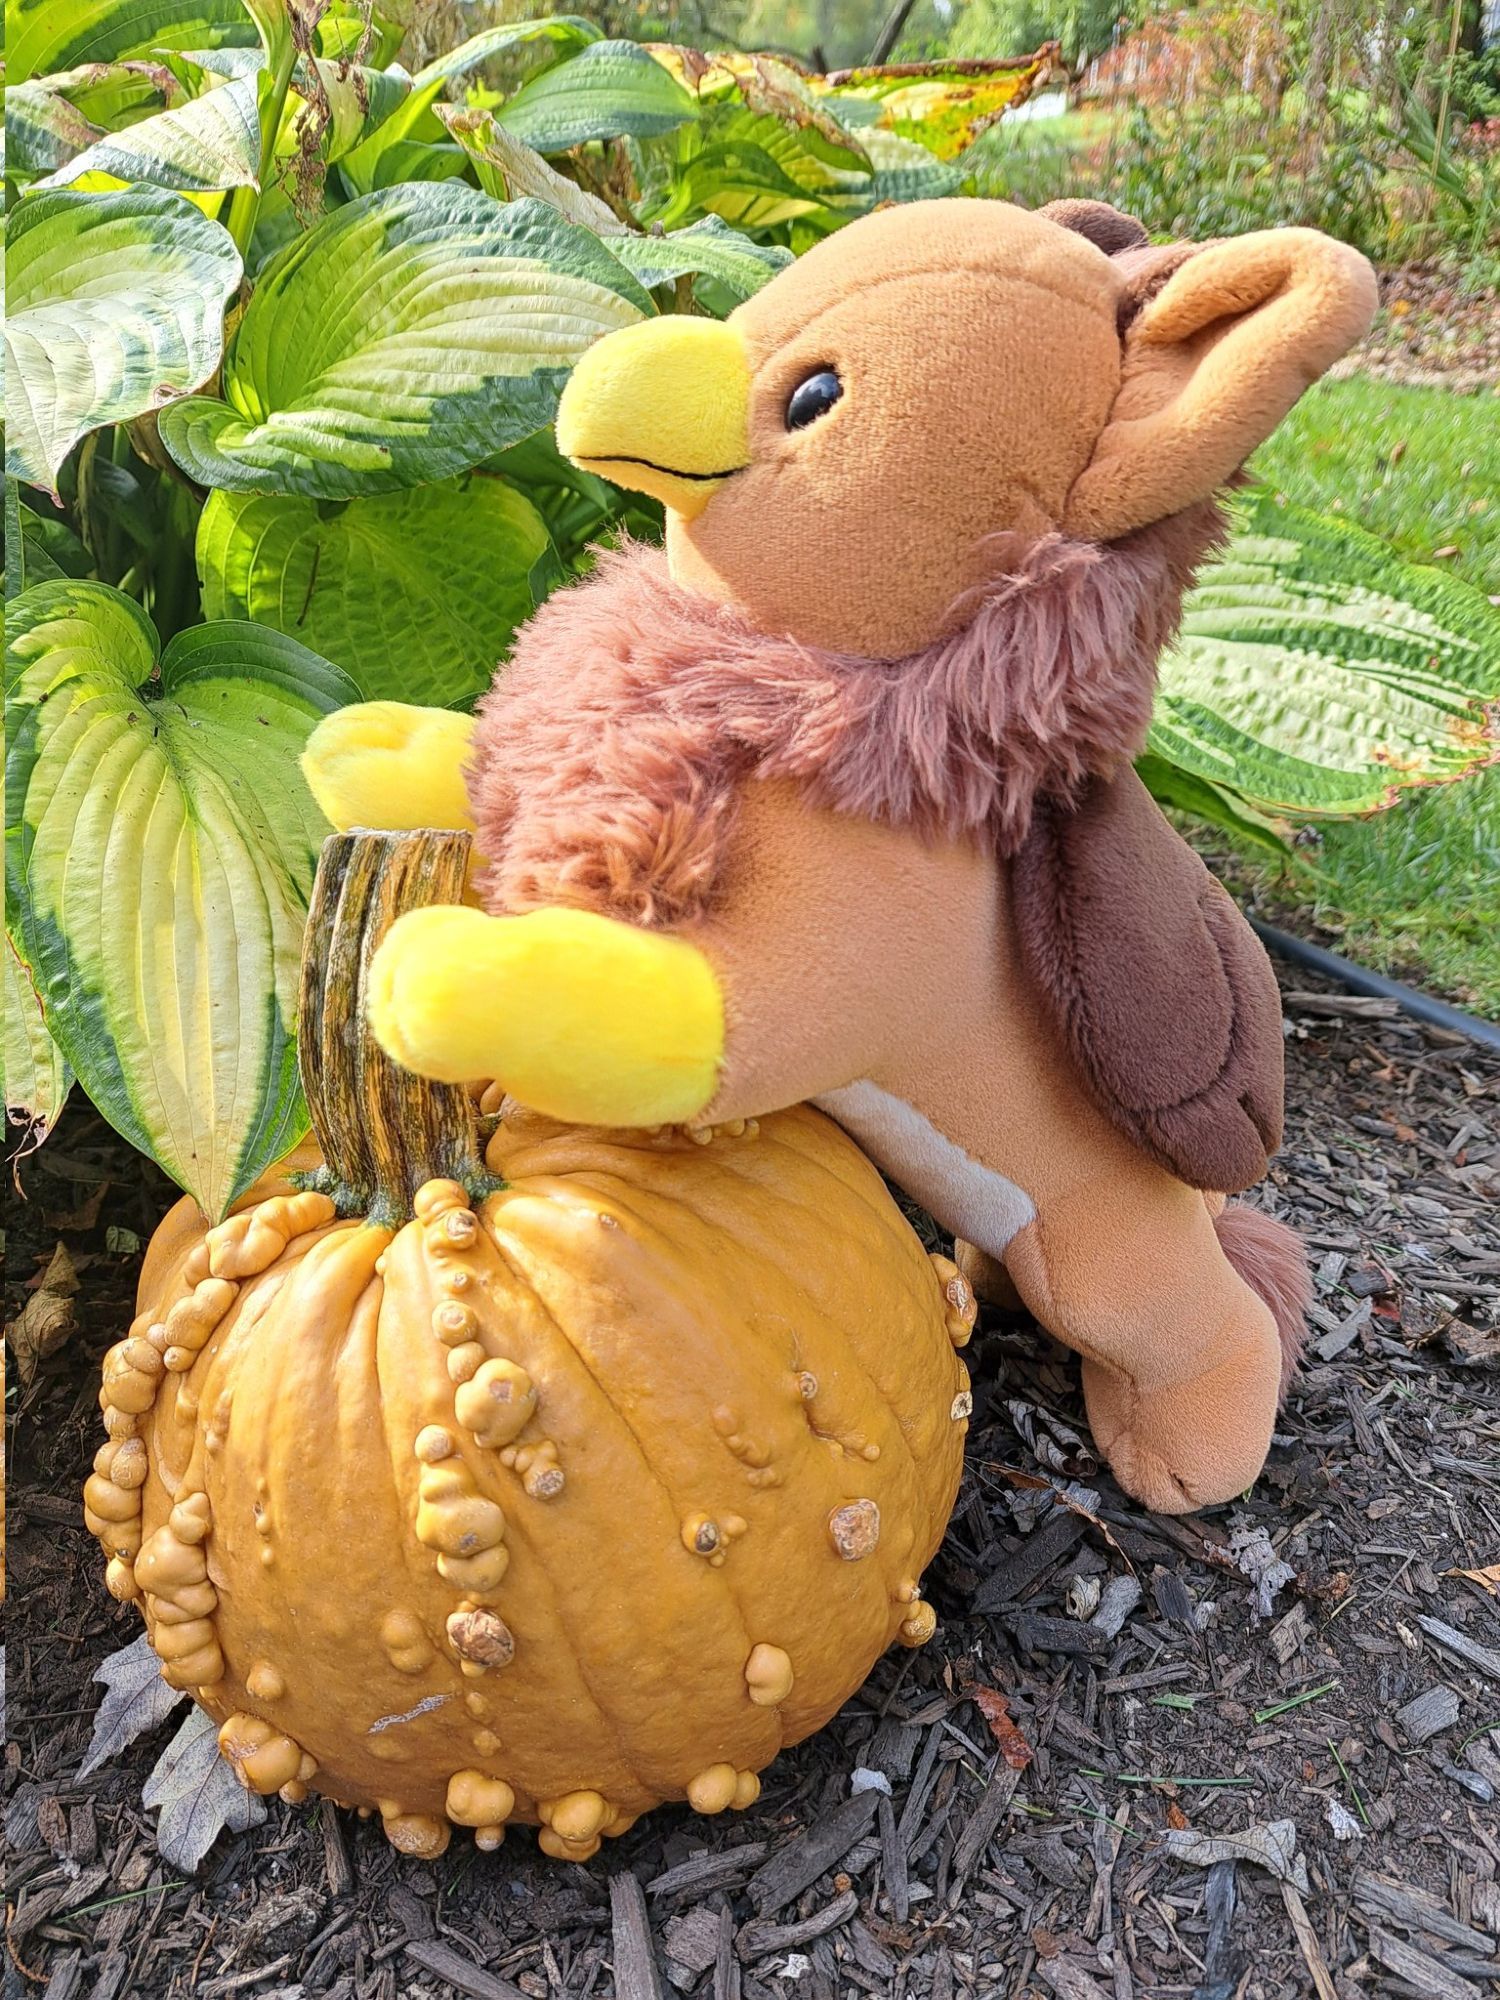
x=577 y=1015
x=389 y=765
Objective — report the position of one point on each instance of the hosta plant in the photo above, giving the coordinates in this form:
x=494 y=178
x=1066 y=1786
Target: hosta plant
x=288 y=320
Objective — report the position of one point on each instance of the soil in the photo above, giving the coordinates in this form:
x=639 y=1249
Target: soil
x=1064 y=1847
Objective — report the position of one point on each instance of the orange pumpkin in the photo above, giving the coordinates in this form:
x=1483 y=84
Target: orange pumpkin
x=540 y=1490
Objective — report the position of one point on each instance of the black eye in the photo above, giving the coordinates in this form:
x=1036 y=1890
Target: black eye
x=812 y=399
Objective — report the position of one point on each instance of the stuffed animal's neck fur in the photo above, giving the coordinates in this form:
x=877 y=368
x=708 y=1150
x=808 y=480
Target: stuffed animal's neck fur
x=609 y=753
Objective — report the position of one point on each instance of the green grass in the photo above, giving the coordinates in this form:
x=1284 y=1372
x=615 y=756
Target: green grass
x=1420 y=467
x=1416 y=890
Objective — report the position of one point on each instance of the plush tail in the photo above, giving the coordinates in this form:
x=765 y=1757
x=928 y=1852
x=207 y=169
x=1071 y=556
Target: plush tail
x=1270 y=1258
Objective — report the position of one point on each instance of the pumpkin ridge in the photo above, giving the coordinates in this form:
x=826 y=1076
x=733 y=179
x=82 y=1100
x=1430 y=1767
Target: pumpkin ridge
x=580 y=1194
x=678 y=1507
x=877 y=1395
x=517 y=1526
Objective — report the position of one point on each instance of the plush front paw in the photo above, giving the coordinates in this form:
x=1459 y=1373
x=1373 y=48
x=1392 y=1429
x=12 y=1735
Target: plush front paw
x=579 y=1016
x=387 y=764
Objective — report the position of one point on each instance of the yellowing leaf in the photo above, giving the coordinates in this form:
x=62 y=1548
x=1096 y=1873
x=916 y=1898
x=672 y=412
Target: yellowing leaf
x=944 y=106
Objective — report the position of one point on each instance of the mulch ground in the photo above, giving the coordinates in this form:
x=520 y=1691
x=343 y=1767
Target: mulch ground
x=1432 y=331
x=1146 y=1706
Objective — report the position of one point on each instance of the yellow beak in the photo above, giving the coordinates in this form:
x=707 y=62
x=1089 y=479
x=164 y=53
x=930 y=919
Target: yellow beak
x=662 y=407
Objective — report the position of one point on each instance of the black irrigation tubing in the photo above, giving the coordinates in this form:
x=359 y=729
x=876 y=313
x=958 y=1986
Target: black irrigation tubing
x=1356 y=979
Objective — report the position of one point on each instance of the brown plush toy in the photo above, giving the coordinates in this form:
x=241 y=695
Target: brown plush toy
x=833 y=799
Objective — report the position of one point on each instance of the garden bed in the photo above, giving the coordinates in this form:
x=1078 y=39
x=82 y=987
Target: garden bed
x=968 y=1876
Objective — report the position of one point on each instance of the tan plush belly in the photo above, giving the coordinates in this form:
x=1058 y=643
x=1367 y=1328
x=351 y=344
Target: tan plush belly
x=970 y=1199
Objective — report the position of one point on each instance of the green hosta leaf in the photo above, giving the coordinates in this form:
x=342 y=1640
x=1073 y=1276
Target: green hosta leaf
x=765 y=150
x=1318 y=674
x=409 y=145
x=552 y=40
x=230 y=62
x=43 y=129
x=1183 y=792
x=609 y=90
x=211 y=142
x=42 y=36
x=37 y=1077
x=116 y=305
x=38 y=548
x=414 y=594
x=905 y=171
x=576 y=505
x=398 y=148
x=160 y=845
x=709 y=248
x=360 y=32
x=510 y=170
x=358 y=102
x=405 y=337
x=114 y=95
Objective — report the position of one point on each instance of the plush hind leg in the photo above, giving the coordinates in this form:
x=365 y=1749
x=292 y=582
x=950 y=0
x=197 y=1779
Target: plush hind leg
x=989 y=1277
x=1181 y=1359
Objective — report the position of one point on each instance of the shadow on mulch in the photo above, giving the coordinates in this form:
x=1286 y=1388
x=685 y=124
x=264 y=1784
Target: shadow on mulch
x=1364 y=1709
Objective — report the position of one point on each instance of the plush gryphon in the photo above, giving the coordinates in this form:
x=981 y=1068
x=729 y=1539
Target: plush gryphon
x=833 y=797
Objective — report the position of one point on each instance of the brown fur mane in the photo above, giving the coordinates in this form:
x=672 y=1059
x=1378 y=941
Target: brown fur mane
x=609 y=755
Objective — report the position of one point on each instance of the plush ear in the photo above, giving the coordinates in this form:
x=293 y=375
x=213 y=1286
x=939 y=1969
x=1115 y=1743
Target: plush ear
x=1211 y=365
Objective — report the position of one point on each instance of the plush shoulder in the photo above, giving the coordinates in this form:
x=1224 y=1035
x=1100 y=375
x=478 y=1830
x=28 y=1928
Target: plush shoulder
x=1161 y=991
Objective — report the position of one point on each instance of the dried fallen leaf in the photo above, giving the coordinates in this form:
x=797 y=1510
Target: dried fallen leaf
x=198 y=1794
x=1177 y=1819
x=1069 y=1496
x=995 y=1709
x=1270 y=1846
x=1056 y=1445
x=1255 y=1559
x=136 y=1699
x=1487 y=1578
x=46 y=1321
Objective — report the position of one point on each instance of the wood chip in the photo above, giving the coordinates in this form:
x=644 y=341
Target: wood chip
x=761 y=1940
x=1288 y=1634
x=461 y=1973
x=1485 y=1658
x=1068 y=1980
x=1428 y=1975
x=798 y=1865
x=726 y=1965
x=1307 y=1943
x=1417 y=1910
x=637 y=1976
x=1344 y=1334
x=709 y=1870
x=1042 y=1550
x=1119 y=1598
x=66 y=1977
x=982 y=1825
x=1434 y=1709
x=692 y=1940
x=893 y=1862
x=335 y=1854
x=1341 y=1006
x=1034 y=1632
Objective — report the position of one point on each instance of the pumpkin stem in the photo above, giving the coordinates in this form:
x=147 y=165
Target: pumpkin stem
x=383 y=1130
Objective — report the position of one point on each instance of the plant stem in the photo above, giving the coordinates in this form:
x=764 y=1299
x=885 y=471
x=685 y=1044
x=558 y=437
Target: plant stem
x=383 y=1130
x=244 y=204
